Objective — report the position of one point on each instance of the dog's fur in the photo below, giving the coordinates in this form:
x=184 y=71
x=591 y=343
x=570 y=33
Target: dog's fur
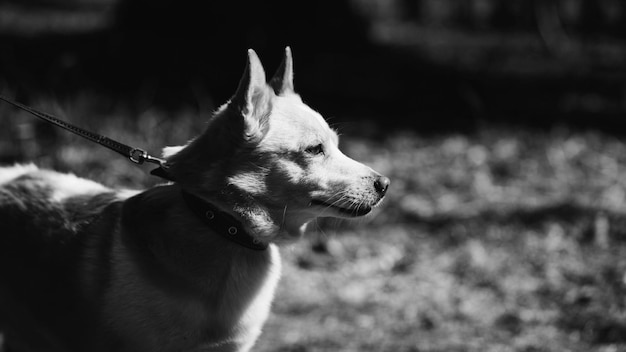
x=87 y=268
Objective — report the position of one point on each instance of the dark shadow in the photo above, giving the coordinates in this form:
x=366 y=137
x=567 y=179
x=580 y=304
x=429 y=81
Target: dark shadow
x=473 y=71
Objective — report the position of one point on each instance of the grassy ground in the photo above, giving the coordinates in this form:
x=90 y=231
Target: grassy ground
x=501 y=240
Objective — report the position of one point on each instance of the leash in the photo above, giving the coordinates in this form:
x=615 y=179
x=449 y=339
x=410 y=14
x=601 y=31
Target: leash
x=223 y=223
x=136 y=155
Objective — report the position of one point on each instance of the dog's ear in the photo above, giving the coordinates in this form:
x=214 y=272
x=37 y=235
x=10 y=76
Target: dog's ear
x=253 y=98
x=282 y=82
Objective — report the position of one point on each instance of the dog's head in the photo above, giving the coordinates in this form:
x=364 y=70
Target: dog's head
x=274 y=161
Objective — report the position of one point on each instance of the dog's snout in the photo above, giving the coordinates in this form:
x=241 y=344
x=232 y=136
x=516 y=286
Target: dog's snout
x=382 y=184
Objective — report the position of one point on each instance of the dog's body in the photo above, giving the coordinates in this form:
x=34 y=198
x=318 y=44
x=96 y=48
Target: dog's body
x=87 y=268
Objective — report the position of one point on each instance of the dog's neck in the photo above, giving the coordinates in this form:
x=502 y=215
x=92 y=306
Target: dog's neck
x=261 y=222
x=211 y=180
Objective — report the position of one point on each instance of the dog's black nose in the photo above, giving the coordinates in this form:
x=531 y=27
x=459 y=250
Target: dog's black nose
x=381 y=184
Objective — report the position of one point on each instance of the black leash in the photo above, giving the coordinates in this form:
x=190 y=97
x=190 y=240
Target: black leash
x=136 y=155
x=223 y=223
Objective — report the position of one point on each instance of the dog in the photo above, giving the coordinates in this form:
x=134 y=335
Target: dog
x=189 y=265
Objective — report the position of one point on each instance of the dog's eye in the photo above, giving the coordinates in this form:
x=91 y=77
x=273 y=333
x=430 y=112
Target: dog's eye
x=315 y=150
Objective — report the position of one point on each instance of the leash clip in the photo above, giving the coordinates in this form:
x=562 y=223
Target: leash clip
x=139 y=156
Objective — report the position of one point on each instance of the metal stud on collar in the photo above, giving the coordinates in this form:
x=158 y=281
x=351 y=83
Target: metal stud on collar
x=222 y=223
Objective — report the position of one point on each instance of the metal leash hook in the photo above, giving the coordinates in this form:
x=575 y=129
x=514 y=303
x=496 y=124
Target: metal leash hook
x=139 y=156
x=136 y=155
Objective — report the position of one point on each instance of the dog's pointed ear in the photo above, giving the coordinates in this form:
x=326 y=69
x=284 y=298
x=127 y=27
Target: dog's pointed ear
x=253 y=98
x=252 y=85
x=282 y=82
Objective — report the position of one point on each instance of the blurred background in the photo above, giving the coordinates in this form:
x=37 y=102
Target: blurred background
x=500 y=123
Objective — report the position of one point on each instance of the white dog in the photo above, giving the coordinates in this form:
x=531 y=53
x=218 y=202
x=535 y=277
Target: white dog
x=185 y=266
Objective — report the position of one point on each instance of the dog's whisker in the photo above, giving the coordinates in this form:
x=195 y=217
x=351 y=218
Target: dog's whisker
x=284 y=219
x=338 y=202
x=338 y=197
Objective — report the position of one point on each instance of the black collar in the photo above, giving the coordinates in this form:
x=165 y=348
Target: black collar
x=221 y=222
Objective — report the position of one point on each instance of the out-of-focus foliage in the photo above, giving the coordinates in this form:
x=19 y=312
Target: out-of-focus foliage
x=460 y=61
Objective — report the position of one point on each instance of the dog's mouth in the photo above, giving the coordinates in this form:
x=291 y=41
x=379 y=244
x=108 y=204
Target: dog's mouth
x=354 y=210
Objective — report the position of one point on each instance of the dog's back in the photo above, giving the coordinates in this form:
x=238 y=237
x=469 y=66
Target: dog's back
x=43 y=216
